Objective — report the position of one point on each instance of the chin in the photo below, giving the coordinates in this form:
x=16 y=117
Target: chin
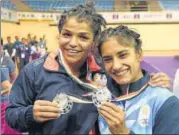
x=122 y=81
x=70 y=60
x=75 y=61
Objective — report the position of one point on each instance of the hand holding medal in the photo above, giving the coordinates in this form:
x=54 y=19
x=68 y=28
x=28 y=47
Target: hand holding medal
x=65 y=104
x=44 y=110
x=101 y=96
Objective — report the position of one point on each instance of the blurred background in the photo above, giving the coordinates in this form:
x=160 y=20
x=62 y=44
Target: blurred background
x=156 y=20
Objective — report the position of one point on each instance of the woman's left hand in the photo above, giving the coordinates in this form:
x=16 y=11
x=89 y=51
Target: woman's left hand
x=160 y=79
x=115 y=118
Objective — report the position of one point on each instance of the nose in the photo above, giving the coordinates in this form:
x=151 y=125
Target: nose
x=116 y=64
x=73 y=42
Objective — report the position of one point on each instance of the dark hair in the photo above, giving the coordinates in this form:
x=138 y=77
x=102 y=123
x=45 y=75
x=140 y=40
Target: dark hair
x=1 y=41
x=84 y=13
x=8 y=37
x=23 y=38
x=123 y=35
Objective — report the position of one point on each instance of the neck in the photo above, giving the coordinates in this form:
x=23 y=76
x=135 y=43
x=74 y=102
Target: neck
x=74 y=70
x=124 y=89
x=139 y=76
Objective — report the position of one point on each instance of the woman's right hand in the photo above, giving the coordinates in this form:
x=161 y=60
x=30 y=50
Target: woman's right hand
x=44 y=110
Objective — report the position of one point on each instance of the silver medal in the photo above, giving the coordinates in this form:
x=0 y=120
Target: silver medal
x=101 y=96
x=64 y=102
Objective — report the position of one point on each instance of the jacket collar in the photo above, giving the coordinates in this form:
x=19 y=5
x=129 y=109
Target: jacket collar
x=52 y=64
x=134 y=87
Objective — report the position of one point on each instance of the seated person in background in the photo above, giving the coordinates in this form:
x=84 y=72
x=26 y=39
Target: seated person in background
x=5 y=86
x=7 y=66
x=138 y=107
x=176 y=84
x=8 y=75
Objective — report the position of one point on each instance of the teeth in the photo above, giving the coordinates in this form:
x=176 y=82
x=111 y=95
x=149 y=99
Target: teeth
x=72 y=51
x=121 y=73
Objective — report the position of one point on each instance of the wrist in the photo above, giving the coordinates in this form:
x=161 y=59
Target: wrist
x=127 y=131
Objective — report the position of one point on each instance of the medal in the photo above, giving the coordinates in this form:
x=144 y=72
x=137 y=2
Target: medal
x=101 y=96
x=65 y=104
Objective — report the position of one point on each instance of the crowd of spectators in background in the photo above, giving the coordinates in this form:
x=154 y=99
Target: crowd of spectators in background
x=23 y=50
x=16 y=53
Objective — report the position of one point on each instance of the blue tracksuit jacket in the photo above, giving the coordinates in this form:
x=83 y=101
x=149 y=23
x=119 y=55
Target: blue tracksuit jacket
x=151 y=111
x=42 y=79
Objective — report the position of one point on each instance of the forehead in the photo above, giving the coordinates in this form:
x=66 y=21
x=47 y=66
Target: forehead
x=112 y=46
x=77 y=26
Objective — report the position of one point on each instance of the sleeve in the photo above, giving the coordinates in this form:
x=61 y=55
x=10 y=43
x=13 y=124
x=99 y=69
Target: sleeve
x=131 y=133
x=167 y=118
x=6 y=52
x=19 y=113
x=13 y=52
x=3 y=77
x=11 y=67
x=176 y=84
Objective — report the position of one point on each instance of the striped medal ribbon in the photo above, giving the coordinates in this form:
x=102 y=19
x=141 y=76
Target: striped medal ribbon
x=99 y=95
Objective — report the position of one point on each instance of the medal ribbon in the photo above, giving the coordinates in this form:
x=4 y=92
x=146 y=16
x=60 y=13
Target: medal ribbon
x=67 y=69
x=92 y=87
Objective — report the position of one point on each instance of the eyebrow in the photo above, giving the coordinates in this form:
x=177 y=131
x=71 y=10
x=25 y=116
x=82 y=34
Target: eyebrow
x=65 y=30
x=81 y=33
x=118 y=53
x=123 y=51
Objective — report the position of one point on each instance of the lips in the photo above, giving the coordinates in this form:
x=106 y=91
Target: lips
x=72 y=51
x=121 y=73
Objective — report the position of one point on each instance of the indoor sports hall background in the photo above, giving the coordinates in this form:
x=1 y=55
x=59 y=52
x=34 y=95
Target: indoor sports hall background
x=156 y=20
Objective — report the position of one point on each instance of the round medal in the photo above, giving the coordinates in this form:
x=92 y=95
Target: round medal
x=64 y=103
x=101 y=96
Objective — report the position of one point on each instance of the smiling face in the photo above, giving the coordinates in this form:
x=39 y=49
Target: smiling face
x=121 y=62
x=76 y=40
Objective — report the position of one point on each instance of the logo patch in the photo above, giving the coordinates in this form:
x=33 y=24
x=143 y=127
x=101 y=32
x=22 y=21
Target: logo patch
x=144 y=115
x=39 y=61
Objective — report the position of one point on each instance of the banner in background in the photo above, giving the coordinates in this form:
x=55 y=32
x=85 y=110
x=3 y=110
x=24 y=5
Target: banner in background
x=8 y=15
x=141 y=17
x=111 y=17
